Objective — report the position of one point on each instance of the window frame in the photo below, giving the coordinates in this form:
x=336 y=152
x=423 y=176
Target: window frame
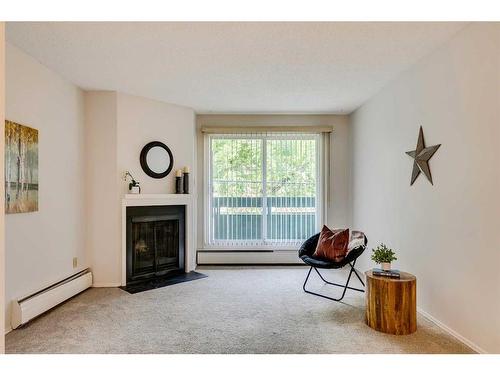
x=322 y=162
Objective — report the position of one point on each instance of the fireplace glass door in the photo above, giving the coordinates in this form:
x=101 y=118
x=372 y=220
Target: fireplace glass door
x=155 y=247
x=167 y=244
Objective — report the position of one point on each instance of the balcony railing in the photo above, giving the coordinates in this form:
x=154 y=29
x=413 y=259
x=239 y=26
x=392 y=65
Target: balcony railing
x=282 y=219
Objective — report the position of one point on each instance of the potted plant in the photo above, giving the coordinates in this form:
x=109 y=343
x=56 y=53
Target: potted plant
x=384 y=256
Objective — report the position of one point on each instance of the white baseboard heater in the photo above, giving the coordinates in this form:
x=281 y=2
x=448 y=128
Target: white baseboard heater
x=30 y=307
x=235 y=257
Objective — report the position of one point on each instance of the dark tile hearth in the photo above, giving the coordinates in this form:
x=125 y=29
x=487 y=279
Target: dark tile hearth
x=161 y=282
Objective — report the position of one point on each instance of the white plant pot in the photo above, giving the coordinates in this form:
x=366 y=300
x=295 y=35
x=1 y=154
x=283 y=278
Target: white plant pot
x=386 y=266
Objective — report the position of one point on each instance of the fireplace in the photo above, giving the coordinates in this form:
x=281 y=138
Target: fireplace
x=155 y=242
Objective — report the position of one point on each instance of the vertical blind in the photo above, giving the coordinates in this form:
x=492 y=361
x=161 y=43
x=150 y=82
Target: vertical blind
x=263 y=188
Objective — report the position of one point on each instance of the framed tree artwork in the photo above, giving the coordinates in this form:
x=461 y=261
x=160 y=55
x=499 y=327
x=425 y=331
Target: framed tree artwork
x=21 y=168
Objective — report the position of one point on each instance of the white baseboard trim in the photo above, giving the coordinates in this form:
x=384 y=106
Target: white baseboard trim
x=455 y=334
x=106 y=285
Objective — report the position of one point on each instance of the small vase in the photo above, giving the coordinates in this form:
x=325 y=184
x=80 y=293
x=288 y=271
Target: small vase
x=185 y=183
x=178 y=185
x=386 y=266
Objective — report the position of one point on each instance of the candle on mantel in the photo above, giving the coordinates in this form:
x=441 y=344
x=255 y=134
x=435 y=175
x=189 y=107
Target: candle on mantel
x=185 y=181
x=178 y=181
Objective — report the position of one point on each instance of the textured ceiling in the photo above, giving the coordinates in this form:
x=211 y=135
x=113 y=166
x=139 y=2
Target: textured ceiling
x=234 y=67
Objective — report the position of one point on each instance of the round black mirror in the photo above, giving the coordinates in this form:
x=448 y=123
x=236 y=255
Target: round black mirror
x=156 y=159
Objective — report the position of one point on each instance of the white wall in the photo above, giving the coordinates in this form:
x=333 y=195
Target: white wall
x=117 y=128
x=338 y=214
x=446 y=234
x=141 y=121
x=2 y=196
x=40 y=246
x=102 y=187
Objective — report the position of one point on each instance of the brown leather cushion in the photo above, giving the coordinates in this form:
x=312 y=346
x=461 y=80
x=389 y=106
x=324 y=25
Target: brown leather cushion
x=332 y=245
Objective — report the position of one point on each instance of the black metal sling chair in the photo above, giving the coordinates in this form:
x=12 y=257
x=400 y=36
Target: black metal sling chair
x=306 y=252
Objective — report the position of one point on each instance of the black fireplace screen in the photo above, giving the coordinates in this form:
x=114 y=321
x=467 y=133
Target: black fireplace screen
x=155 y=242
x=155 y=246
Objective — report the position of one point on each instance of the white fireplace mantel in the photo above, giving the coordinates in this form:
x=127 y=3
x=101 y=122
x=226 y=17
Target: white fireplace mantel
x=187 y=200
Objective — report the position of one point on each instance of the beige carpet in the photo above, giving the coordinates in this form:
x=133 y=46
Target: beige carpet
x=250 y=310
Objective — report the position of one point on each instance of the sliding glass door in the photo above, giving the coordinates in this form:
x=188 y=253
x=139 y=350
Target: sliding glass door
x=263 y=189
x=236 y=192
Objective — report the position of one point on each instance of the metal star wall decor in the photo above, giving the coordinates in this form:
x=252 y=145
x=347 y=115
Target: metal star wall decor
x=421 y=156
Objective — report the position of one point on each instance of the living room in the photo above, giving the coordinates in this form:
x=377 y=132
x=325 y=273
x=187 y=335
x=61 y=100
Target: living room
x=250 y=187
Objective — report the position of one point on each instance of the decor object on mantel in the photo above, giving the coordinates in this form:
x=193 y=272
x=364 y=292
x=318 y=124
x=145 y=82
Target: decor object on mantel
x=182 y=181
x=421 y=156
x=391 y=304
x=384 y=256
x=21 y=168
x=134 y=186
x=185 y=181
x=156 y=159
x=178 y=181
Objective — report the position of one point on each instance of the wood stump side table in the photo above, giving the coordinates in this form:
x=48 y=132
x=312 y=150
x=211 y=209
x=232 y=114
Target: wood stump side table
x=391 y=304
